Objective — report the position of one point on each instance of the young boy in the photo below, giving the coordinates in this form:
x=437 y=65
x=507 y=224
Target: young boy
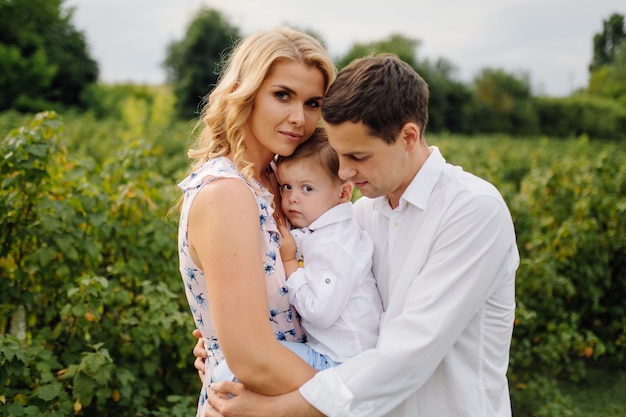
x=332 y=288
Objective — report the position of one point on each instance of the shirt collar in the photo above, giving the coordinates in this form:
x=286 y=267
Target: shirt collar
x=336 y=214
x=420 y=187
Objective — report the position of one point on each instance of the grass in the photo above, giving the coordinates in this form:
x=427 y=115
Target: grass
x=601 y=394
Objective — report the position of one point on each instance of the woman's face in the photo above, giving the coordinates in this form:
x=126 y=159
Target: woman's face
x=286 y=109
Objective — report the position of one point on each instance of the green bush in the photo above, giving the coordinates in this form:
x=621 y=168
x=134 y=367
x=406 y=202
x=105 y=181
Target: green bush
x=597 y=117
x=92 y=309
x=568 y=202
x=90 y=282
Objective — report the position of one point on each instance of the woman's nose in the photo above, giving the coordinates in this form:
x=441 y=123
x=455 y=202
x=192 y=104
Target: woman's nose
x=296 y=117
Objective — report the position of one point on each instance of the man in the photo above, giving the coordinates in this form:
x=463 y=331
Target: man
x=445 y=260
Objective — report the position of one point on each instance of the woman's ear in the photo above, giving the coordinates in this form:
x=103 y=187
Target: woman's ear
x=346 y=191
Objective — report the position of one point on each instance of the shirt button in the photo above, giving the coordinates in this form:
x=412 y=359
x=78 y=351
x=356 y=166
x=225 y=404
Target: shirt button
x=327 y=280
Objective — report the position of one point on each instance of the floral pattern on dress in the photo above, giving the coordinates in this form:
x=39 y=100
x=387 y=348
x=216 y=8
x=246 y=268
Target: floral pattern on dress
x=282 y=316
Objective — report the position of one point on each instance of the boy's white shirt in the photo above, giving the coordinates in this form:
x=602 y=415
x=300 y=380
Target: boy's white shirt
x=335 y=293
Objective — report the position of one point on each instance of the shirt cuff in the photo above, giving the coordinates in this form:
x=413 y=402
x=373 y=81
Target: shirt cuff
x=296 y=280
x=327 y=393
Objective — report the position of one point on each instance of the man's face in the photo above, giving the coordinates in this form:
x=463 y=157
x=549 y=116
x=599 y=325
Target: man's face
x=375 y=167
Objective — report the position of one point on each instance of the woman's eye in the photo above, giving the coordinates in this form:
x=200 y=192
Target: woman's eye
x=282 y=95
x=286 y=187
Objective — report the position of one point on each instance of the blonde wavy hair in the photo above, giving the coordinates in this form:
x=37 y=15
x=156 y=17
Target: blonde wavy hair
x=223 y=118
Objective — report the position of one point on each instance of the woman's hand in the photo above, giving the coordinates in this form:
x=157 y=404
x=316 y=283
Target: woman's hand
x=200 y=353
x=233 y=399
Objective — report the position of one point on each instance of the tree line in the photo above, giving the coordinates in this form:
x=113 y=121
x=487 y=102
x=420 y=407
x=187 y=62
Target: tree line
x=46 y=64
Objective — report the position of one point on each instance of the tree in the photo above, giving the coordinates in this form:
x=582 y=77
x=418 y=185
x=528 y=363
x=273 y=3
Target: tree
x=192 y=63
x=43 y=58
x=608 y=68
x=405 y=48
x=449 y=99
x=67 y=49
x=606 y=45
x=504 y=103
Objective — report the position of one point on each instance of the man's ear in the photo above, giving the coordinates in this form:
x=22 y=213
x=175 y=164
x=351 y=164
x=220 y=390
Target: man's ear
x=346 y=191
x=410 y=134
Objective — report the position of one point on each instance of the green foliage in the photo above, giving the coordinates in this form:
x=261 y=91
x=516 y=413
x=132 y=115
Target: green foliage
x=43 y=58
x=449 y=99
x=23 y=78
x=608 y=67
x=610 y=80
x=405 y=48
x=192 y=63
x=596 y=117
x=92 y=311
x=567 y=199
x=607 y=44
x=504 y=104
x=88 y=263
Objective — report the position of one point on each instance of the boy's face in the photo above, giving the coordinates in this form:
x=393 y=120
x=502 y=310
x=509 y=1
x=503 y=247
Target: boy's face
x=307 y=190
x=375 y=167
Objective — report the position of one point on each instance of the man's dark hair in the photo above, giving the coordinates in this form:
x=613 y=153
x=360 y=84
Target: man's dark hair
x=381 y=91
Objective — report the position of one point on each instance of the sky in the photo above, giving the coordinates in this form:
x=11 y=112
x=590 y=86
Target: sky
x=550 y=40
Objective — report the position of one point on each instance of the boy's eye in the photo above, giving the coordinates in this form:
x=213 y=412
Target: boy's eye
x=307 y=188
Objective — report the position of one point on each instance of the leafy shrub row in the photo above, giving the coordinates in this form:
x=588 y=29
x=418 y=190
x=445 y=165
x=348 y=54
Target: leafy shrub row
x=597 y=117
x=90 y=284
x=568 y=201
x=92 y=309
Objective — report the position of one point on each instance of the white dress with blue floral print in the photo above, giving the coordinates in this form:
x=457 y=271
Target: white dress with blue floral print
x=282 y=315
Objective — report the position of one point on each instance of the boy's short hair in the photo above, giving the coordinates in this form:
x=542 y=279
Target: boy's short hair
x=318 y=147
x=383 y=92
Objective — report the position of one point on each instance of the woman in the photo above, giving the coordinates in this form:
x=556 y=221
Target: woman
x=266 y=103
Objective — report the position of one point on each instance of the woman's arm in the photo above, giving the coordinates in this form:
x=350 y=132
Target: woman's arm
x=224 y=241
x=246 y=403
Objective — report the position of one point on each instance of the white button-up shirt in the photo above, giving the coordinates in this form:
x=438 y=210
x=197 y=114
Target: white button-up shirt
x=335 y=292
x=445 y=262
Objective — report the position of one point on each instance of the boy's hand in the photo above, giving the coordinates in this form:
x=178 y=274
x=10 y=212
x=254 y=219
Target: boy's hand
x=288 y=247
x=288 y=250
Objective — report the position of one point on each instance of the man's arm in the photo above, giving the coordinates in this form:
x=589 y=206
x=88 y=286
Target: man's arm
x=200 y=354
x=246 y=403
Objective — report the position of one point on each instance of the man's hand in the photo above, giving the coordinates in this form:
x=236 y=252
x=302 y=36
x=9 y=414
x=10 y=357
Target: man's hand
x=200 y=353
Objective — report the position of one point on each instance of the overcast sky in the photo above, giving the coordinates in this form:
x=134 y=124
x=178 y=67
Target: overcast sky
x=552 y=40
